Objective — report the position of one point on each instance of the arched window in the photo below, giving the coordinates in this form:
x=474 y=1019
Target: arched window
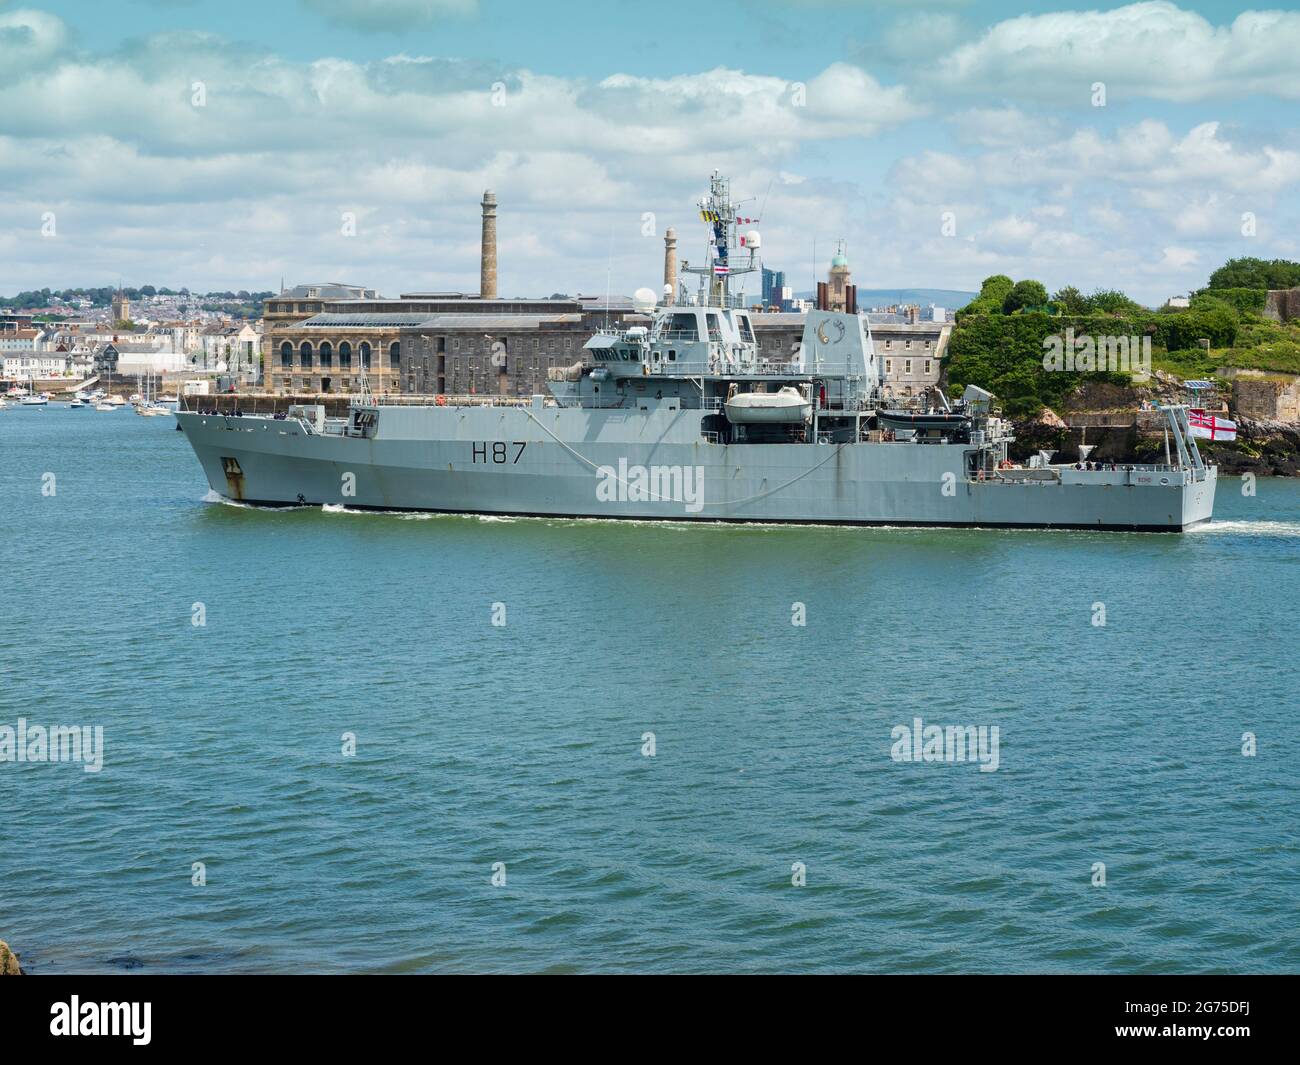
x=364 y=348
x=326 y=353
x=395 y=355
x=345 y=353
x=286 y=354
x=304 y=353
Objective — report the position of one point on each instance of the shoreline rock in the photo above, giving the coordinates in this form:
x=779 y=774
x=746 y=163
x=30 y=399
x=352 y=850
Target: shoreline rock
x=9 y=961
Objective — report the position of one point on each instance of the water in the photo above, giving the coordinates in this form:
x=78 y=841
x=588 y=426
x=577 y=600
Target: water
x=522 y=744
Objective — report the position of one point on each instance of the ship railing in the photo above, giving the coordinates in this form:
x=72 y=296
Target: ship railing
x=447 y=400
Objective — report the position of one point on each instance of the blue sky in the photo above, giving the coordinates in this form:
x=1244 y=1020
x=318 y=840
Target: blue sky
x=944 y=141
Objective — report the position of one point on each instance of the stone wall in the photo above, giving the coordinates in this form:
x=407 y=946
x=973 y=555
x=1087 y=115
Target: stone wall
x=1282 y=304
x=1266 y=397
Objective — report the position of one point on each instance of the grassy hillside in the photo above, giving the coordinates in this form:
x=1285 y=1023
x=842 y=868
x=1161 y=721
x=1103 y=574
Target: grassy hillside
x=998 y=341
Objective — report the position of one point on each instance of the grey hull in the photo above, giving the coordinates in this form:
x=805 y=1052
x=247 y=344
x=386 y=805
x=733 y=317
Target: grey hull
x=654 y=465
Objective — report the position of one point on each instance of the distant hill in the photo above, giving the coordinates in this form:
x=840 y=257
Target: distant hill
x=884 y=297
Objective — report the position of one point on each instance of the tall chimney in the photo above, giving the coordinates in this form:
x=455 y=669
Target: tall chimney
x=670 y=266
x=487 y=286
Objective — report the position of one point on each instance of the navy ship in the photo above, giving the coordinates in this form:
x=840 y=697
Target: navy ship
x=683 y=420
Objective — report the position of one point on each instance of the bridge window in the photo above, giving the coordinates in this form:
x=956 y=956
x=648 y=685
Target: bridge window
x=683 y=327
x=746 y=333
x=304 y=353
x=715 y=329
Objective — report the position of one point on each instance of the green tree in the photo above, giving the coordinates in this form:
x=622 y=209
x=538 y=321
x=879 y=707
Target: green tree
x=992 y=293
x=1071 y=300
x=1024 y=294
x=1256 y=273
x=1111 y=301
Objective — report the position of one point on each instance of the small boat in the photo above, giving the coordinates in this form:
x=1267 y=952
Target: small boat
x=104 y=404
x=921 y=421
x=32 y=398
x=784 y=406
x=77 y=404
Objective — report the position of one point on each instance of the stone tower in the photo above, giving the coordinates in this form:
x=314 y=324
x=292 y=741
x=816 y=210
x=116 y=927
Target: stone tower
x=121 y=307
x=487 y=287
x=670 y=266
x=839 y=280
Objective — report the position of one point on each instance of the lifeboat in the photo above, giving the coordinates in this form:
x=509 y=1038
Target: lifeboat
x=756 y=408
x=921 y=420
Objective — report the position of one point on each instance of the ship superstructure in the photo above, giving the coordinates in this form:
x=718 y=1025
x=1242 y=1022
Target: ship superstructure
x=684 y=420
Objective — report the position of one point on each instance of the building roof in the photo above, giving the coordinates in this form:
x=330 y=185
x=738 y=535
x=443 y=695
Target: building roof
x=364 y=321
x=498 y=321
x=327 y=290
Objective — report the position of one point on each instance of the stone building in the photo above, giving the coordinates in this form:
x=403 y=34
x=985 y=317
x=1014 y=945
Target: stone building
x=1266 y=397
x=283 y=368
x=839 y=280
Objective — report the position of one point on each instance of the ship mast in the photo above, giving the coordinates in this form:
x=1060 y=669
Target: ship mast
x=719 y=213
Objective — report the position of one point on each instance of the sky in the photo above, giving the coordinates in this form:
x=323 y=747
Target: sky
x=229 y=145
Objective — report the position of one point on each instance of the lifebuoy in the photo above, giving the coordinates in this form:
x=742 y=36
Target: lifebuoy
x=441 y=401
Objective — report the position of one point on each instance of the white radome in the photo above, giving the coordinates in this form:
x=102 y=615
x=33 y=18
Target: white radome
x=753 y=239
x=644 y=300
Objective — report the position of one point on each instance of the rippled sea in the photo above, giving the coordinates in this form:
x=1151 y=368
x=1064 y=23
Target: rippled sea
x=522 y=743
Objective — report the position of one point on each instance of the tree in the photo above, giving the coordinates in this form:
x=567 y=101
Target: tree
x=1071 y=300
x=1111 y=301
x=1256 y=273
x=1024 y=294
x=992 y=293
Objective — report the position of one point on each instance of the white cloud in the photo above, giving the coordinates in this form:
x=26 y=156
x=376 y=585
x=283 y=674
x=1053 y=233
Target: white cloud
x=995 y=127
x=1174 y=258
x=115 y=145
x=1129 y=191
x=1152 y=49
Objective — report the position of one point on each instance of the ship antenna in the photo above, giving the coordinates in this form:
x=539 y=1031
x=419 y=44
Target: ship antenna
x=609 y=276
